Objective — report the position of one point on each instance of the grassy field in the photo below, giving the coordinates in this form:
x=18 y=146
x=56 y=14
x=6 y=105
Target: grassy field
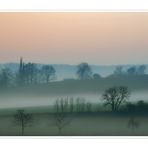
x=81 y=124
x=134 y=83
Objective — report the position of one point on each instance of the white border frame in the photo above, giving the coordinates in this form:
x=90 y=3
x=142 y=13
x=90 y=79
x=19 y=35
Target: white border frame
x=73 y=5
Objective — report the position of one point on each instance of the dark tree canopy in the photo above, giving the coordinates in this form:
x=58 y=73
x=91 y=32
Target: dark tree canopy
x=132 y=70
x=84 y=71
x=115 y=96
x=96 y=76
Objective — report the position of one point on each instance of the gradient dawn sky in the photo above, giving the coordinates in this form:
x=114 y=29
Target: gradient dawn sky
x=71 y=38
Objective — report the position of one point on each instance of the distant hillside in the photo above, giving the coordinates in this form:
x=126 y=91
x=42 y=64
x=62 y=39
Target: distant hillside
x=65 y=71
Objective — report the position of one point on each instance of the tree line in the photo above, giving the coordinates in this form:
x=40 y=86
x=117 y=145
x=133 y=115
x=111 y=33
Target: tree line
x=30 y=73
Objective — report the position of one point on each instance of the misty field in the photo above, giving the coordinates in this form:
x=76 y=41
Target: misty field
x=34 y=102
x=90 y=90
x=81 y=124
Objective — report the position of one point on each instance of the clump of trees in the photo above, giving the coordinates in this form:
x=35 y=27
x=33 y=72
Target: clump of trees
x=5 y=78
x=140 y=70
x=131 y=71
x=119 y=71
x=27 y=74
x=84 y=72
x=96 y=76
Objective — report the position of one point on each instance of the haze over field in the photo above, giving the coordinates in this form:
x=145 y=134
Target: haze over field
x=66 y=71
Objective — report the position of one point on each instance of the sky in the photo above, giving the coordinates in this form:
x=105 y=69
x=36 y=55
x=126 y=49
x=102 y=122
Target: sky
x=101 y=38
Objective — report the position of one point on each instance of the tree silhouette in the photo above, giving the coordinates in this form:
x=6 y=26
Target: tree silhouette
x=131 y=71
x=71 y=104
x=118 y=71
x=23 y=119
x=141 y=70
x=27 y=73
x=84 y=71
x=5 y=77
x=96 y=76
x=30 y=73
x=48 y=73
x=133 y=123
x=115 y=96
x=88 y=107
x=61 y=119
x=20 y=73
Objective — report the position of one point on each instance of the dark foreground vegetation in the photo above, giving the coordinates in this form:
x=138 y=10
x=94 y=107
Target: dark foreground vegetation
x=73 y=117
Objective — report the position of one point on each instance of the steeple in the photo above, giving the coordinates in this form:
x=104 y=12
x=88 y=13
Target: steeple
x=21 y=64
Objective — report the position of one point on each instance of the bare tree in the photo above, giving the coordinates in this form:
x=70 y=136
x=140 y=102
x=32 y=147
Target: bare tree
x=78 y=105
x=61 y=119
x=71 y=105
x=88 y=107
x=23 y=119
x=82 y=105
x=115 y=96
x=133 y=123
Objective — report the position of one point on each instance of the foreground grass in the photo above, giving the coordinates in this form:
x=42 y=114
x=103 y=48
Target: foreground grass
x=81 y=124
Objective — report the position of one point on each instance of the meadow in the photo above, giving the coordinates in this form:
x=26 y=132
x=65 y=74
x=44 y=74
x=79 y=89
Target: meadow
x=39 y=114
x=81 y=124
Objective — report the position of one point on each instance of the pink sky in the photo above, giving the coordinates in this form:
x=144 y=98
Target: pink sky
x=71 y=38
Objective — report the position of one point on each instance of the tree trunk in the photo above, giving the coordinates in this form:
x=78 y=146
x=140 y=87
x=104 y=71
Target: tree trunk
x=60 y=131
x=22 y=130
x=22 y=127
